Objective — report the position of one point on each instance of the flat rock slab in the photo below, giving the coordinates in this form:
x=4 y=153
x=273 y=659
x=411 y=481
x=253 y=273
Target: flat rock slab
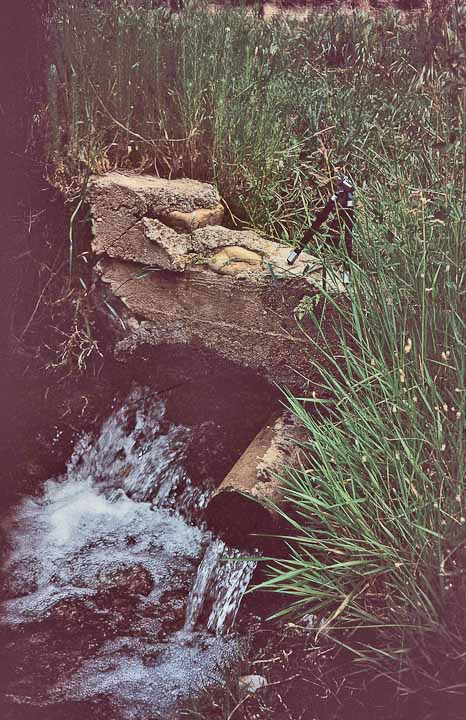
x=156 y=195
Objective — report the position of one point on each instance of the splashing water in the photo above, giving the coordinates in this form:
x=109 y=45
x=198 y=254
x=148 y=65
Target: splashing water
x=110 y=590
x=223 y=584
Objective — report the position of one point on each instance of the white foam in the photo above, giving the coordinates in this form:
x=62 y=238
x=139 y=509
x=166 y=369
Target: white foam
x=117 y=507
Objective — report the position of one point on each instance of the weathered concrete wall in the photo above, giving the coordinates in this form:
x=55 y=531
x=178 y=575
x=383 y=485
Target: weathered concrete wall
x=186 y=280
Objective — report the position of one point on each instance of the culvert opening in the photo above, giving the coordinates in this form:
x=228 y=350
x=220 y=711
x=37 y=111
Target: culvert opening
x=118 y=596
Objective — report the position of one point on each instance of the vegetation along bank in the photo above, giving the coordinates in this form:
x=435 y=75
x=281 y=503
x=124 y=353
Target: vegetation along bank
x=268 y=112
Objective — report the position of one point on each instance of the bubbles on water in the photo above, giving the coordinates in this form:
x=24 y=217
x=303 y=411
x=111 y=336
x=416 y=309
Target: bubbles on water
x=141 y=678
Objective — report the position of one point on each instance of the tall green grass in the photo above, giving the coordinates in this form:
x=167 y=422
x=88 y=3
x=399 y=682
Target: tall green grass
x=377 y=510
x=268 y=111
x=247 y=104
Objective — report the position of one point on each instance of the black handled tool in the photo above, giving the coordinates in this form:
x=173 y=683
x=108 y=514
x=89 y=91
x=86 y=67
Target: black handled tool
x=341 y=203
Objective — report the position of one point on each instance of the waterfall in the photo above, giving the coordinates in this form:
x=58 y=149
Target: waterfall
x=113 y=589
x=202 y=583
x=230 y=584
x=223 y=577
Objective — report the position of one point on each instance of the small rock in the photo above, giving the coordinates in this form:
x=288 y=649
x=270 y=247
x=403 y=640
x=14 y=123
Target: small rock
x=233 y=260
x=310 y=621
x=250 y=684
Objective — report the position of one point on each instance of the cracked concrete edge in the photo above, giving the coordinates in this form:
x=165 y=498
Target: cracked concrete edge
x=133 y=220
x=148 y=194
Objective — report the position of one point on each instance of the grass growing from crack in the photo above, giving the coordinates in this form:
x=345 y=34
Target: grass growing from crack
x=268 y=111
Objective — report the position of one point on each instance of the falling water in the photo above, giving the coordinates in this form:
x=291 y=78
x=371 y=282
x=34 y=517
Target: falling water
x=114 y=591
x=222 y=579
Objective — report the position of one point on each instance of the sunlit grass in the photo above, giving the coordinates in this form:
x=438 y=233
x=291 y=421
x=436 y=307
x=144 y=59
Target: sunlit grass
x=249 y=105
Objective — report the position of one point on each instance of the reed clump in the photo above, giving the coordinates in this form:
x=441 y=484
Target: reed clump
x=268 y=111
x=250 y=105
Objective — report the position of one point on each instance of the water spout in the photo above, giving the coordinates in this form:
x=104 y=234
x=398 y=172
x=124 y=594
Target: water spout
x=222 y=579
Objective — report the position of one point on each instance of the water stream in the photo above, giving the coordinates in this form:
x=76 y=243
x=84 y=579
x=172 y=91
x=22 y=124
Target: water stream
x=114 y=593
